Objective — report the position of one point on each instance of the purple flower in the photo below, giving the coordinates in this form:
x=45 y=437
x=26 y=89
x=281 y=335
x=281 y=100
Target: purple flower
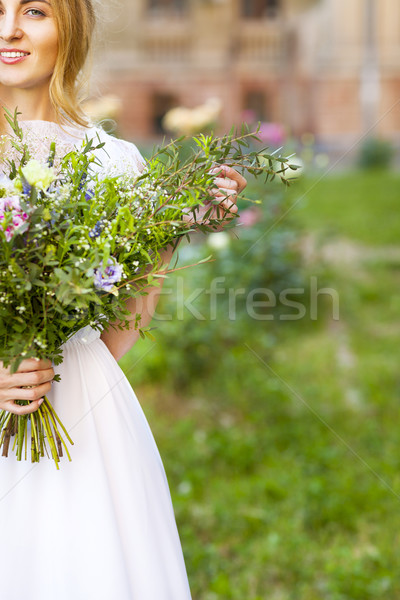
x=104 y=279
x=96 y=231
x=26 y=187
x=82 y=181
x=272 y=133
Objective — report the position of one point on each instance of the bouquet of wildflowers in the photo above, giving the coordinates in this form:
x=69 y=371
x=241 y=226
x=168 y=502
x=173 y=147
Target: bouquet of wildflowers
x=75 y=245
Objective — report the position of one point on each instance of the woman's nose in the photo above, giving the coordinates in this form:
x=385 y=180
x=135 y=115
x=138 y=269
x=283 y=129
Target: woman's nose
x=9 y=28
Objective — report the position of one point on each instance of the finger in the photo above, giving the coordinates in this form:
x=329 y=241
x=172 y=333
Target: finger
x=225 y=182
x=16 y=409
x=227 y=210
x=22 y=379
x=229 y=172
x=226 y=199
x=32 y=378
x=220 y=194
x=32 y=364
x=229 y=205
x=223 y=193
x=30 y=394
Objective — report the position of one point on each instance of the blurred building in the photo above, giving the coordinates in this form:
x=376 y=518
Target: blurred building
x=329 y=67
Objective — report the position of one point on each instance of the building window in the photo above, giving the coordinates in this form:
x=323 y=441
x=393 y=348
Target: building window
x=161 y=104
x=259 y=9
x=255 y=103
x=160 y=8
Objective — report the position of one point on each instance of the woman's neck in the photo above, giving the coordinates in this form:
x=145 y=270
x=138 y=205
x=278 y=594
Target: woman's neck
x=33 y=104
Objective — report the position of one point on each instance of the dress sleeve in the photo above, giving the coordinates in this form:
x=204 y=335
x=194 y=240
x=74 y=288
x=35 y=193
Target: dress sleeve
x=130 y=157
x=119 y=157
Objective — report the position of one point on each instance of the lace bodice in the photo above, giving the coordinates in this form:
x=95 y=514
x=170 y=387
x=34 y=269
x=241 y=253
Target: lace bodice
x=117 y=156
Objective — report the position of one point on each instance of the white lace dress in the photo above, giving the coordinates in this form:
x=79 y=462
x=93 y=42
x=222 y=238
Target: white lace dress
x=102 y=527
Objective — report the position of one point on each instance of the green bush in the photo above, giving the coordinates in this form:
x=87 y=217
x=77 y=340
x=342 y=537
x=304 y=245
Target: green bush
x=376 y=153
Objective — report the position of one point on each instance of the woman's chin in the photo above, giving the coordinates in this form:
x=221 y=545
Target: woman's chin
x=12 y=82
x=21 y=83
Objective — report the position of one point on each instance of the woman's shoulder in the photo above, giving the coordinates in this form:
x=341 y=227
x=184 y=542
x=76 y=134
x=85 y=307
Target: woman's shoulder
x=116 y=154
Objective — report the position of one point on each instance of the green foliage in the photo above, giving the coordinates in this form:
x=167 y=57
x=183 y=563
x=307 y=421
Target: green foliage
x=376 y=153
x=213 y=309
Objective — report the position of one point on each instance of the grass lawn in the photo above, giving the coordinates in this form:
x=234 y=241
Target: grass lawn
x=361 y=206
x=285 y=468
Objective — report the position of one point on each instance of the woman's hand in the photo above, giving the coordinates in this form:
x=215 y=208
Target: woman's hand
x=229 y=183
x=31 y=372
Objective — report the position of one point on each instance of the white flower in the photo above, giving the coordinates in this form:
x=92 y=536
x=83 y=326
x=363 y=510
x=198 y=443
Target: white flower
x=219 y=240
x=294 y=174
x=7 y=185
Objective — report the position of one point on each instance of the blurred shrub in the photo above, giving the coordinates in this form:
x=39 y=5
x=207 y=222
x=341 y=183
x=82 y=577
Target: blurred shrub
x=376 y=153
x=208 y=312
x=189 y=121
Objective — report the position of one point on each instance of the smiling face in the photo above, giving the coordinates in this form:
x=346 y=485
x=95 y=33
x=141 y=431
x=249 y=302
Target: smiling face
x=28 y=43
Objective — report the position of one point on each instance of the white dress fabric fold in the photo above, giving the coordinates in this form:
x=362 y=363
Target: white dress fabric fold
x=102 y=526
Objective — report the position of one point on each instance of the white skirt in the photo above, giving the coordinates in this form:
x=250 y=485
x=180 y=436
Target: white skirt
x=102 y=526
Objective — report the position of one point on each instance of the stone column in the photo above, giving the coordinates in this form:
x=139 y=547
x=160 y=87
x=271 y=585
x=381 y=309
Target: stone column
x=370 y=79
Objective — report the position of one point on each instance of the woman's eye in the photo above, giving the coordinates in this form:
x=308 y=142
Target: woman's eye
x=35 y=12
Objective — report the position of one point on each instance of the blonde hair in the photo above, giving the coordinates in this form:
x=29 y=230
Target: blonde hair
x=75 y=20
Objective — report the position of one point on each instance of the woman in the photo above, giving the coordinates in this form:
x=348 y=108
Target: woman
x=103 y=526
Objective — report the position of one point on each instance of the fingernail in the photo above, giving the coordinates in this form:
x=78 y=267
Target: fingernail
x=40 y=401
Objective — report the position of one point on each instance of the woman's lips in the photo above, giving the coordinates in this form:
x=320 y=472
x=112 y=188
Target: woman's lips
x=11 y=57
